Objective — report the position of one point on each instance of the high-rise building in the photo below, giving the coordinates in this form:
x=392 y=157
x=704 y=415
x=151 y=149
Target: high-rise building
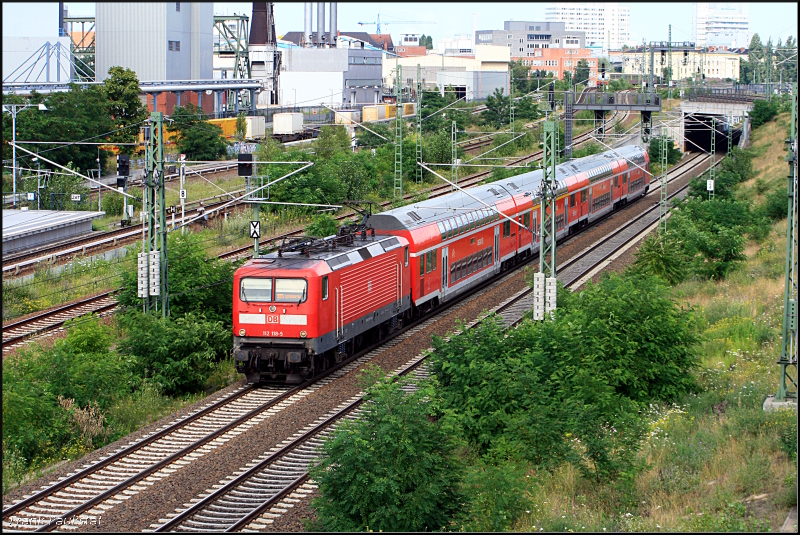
x=607 y=24
x=720 y=24
x=158 y=41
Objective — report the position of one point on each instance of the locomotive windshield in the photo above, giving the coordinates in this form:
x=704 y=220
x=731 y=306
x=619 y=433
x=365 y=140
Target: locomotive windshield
x=259 y=290
x=290 y=290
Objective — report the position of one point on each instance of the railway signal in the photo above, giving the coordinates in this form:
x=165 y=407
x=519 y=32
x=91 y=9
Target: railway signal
x=154 y=214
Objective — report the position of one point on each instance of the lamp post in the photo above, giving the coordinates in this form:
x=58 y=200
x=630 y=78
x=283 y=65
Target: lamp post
x=14 y=109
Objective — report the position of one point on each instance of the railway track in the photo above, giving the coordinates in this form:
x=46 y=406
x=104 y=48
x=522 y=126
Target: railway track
x=51 y=321
x=276 y=480
x=18 y=332
x=276 y=474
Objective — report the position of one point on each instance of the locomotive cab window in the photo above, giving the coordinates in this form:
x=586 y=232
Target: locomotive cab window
x=256 y=290
x=290 y=290
x=324 y=287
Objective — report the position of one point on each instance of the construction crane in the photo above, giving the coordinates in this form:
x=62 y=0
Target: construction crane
x=378 y=23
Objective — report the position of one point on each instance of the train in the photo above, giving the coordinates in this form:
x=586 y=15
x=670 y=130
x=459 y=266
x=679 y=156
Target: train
x=316 y=301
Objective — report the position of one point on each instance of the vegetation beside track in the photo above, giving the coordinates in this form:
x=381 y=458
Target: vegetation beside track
x=107 y=379
x=553 y=430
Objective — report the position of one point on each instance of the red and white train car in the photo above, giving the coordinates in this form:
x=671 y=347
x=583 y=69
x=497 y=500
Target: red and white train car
x=298 y=311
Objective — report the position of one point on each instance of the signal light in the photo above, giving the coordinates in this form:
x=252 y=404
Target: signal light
x=123 y=165
x=245 y=165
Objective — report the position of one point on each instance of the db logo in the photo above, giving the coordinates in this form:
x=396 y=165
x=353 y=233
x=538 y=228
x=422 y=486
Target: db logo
x=272 y=319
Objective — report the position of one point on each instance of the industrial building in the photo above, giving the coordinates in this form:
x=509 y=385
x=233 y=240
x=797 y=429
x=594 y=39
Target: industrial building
x=332 y=76
x=159 y=41
x=475 y=77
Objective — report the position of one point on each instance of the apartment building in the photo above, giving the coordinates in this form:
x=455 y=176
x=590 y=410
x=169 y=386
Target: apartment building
x=607 y=24
x=720 y=24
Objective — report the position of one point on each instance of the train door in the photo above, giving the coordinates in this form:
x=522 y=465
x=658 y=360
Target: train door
x=497 y=248
x=445 y=271
x=421 y=276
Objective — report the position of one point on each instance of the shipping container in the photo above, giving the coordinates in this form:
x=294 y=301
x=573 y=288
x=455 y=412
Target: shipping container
x=228 y=126
x=256 y=127
x=348 y=116
x=370 y=113
x=287 y=123
x=408 y=108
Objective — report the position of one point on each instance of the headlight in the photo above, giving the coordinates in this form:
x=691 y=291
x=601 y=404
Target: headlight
x=303 y=334
x=242 y=332
x=272 y=308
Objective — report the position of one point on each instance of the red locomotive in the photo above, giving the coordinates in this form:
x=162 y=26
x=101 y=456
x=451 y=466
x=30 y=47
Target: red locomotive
x=314 y=302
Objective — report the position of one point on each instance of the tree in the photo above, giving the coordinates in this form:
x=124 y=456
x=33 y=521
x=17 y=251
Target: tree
x=126 y=108
x=422 y=40
x=196 y=137
x=332 y=139
x=582 y=72
x=496 y=112
x=393 y=467
x=429 y=42
x=241 y=126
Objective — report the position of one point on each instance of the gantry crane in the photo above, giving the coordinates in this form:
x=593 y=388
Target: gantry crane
x=378 y=23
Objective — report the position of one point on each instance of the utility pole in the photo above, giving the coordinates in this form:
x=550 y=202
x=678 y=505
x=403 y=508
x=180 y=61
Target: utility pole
x=663 y=204
x=787 y=388
x=730 y=133
x=454 y=160
x=153 y=273
x=511 y=104
x=669 y=67
x=398 y=135
x=544 y=282
x=711 y=171
x=183 y=194
x=419 y=124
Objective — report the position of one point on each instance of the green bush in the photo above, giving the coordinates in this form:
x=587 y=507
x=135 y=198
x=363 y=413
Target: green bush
x=80 y=367
x=178 y=352
x=762 y=112
x=662 y=257
x=531 y=393
x=321 y=226
x=197 y=282
x=390 y=470
x=776 y=204
x=497 y=496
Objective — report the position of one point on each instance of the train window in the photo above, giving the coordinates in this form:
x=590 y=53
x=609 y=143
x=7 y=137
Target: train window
x=324 y=287
x=583 y=196
x=506 y=228
x=572 y=201
x=487 y=216
x=431 y=261
x=422 y=265
x=406 y=255
x=458 y=270
x=471 y=219
x=469 y=265
x=625 y=178
x=490 y=254
x=526 y=219
x=290 y=290
x=258 y=290
x=448 y=228
x=442 y=230
x=464 y=223
x=616 y=181
x=452 y=273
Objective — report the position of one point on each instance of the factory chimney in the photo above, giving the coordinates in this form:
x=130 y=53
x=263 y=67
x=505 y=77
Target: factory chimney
x=307 y=23
x=320 y=22
x=332 y=38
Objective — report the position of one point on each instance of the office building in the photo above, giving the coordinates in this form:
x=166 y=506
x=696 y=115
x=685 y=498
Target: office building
x=607 y=24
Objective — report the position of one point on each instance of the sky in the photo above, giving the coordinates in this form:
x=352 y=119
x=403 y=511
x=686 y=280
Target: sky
x=648 y=20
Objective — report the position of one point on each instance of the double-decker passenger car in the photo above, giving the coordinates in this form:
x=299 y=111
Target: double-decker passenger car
x=305 y=307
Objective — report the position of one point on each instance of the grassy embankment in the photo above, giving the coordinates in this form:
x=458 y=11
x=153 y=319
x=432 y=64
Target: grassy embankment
x=715 y=461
